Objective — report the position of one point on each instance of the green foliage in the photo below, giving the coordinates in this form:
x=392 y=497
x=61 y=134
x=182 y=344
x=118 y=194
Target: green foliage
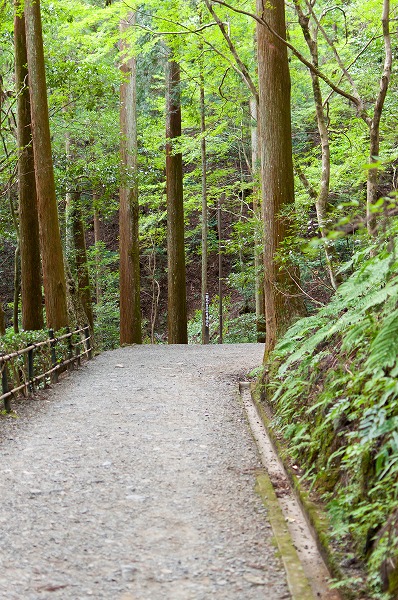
x=334 y=390
x=17 y=367
x=103 y=265
x=241 y=329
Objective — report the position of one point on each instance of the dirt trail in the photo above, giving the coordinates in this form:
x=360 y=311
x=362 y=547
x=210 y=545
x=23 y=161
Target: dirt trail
x=134 y=479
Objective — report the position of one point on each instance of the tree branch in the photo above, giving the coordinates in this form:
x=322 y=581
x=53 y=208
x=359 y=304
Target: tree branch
x=195 y=32
x=336 y=54
x=385 y=78
x=244 y=70
x=297 y=54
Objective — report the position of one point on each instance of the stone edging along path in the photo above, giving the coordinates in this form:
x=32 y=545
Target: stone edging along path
x=307 y=572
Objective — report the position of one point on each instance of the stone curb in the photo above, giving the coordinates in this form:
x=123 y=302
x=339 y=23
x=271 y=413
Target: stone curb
x=315 y=516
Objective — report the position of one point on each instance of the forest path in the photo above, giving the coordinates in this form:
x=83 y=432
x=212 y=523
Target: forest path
x=134 y=479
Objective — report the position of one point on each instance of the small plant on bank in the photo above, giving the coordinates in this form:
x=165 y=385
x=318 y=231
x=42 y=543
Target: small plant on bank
x=334 y=390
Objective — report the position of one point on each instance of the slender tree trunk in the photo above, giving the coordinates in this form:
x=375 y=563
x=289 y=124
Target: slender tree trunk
x=258 y=238
x=220 y=273
x=2 y=320
x=177 y=310
x=155 y=291
x=322 y=198
x=80 y=255
x=32 y=301
x=374 y=149
x=282 y=303
x=17 y=263
x=130 y=309
x=50 y=239
x=69 y=243
x=97 y=239
x=205 y=227
x=17 y=287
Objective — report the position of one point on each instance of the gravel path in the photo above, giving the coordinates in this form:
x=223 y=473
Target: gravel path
x=133 y=479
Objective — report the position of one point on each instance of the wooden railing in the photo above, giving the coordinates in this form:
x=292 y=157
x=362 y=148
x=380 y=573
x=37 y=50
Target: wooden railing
x=25 y=370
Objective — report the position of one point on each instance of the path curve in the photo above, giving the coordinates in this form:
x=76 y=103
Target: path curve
x=133 y=479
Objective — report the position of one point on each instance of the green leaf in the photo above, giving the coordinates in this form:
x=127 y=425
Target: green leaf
x=384 y=348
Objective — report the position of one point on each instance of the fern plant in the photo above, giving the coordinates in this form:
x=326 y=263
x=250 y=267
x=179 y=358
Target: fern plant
x=334 y=393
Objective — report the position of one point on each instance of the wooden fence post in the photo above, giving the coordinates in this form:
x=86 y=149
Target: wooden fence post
x=4 y=384
x=88 y=341
x=71 y=364
x=31 y=384
x=77 y=351
x=53 y=342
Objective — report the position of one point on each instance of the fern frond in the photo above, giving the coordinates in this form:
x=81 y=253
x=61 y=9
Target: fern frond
x=356 y=334
x=384 y=348
x=306 y=347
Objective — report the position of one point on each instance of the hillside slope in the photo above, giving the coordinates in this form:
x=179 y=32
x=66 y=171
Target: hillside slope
x=333 y=387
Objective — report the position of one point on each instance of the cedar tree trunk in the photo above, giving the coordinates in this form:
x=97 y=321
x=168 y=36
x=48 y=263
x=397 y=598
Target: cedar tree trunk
x=130 y=309
x=80 y=256
x=282 y=303
x=258 y=238
x=205 y=227
x=177 y=311
x=50 y=238
x=29 y=240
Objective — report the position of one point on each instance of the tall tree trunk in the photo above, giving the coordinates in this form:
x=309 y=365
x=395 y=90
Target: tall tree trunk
x=80 y=255
x=97 y=239
x=282 y=303
x=50 y=238
x=29 y=241
x=258 y=238
x=177 y=311
x=220 y=271
x=130 y=309
x=205 y=227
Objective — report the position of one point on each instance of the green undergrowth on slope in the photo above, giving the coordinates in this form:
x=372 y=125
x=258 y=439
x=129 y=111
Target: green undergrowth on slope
x=333 y=388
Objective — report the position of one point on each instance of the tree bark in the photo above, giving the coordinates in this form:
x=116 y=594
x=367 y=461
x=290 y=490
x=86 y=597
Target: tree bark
x=2 y=320
x=97 y=239
x=281 y=295
x=220 y=272
x=50 y=239
x=258 y=238
x=177 y=311
x=69 y=243
x=80 y=257
x=205 y=226
x=130 y=309
x=17 y=287
x=29 y=240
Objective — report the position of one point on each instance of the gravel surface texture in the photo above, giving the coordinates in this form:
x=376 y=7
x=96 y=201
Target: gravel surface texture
x=134 y=479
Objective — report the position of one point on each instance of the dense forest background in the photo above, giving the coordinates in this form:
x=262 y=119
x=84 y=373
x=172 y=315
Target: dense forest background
x=266 y=212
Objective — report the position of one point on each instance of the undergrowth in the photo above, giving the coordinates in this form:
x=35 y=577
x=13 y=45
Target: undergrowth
x=334 y=390
x=17 y=367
